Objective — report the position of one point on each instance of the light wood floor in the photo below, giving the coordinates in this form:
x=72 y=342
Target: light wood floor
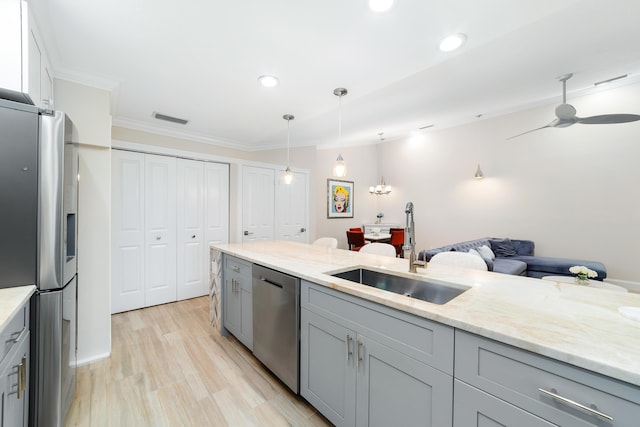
x=168 y=367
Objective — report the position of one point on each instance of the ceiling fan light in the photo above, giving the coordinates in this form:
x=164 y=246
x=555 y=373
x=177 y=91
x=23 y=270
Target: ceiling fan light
x=452 y=42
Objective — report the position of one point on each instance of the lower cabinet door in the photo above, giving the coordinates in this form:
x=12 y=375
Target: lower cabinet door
x=15 y=387
x=327 y=367
x=246 y=317
x=475 y=408
x=397 y=390
x=232 y=304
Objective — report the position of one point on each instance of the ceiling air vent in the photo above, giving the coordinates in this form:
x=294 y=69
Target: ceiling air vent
x=171 y=119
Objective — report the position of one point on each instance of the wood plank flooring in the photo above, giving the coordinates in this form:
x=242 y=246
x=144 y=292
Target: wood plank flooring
x=169 y=367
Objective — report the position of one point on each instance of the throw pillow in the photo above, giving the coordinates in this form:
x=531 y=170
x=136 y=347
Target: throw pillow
x=486 y=252
x=502 y=247
x=486 y=260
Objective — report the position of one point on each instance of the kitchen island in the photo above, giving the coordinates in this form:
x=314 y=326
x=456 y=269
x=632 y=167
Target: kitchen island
x=575 y=325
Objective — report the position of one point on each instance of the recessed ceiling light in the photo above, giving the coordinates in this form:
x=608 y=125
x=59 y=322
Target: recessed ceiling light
x=380 y=5
x=452 y=42
x=268 y=81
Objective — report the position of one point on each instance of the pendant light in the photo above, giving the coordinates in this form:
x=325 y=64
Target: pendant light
x=340 y=167
x=381 y=188
x=479 y=174
x=288 y=175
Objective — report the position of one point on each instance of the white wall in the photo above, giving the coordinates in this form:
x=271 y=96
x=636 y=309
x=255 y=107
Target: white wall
x=362 y=170
x=89 y=109
x=574 y=191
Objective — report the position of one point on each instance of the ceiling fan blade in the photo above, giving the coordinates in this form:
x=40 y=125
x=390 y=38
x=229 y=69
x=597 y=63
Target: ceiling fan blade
x=606 y=119
x=550 y=125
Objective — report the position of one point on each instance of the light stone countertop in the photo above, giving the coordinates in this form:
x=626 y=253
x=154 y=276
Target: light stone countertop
x=11 y=299
x=570 y=323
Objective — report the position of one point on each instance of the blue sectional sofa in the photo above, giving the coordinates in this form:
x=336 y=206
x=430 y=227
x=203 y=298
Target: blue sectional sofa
x=517 y=257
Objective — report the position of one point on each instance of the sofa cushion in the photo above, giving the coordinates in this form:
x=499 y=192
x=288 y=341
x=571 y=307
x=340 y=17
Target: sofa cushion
x=502 y=247
x=540 y=266
x=486 y=252
x=509 y=266
x=486 y=260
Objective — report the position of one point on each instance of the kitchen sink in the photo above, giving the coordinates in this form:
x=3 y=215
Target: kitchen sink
x=435 y=293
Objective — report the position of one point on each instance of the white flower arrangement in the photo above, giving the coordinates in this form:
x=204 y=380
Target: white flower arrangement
x=583 y=273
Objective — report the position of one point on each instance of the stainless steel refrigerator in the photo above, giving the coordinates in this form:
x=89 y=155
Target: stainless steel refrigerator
x=38 y=246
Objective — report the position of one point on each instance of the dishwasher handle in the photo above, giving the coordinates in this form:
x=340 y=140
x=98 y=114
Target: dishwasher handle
x=264 y=279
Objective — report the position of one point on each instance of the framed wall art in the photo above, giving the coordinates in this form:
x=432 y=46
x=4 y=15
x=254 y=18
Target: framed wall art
x=339 y=199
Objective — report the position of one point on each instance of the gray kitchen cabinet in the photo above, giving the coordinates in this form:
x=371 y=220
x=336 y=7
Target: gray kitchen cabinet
x=363 y=364
x=327 y=367
x=14 y=371
x=540 y=387
x=474 y=407
x=237 y=299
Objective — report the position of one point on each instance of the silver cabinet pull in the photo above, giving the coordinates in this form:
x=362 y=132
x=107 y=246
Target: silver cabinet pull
x=358 y=353
x=302 y=230
x=21 y=373
x=13 y=338
x=193 y=236
x=246 y=233
x=22 y=377
x=552 y=394
x=235 y=268
x=158 y=238
x=349 y=352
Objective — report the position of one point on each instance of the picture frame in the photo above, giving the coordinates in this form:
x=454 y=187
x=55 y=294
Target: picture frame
x=339 y=198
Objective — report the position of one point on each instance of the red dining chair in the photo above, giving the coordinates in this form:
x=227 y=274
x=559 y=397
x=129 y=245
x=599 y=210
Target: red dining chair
x=355 y=239
x=355 y=229
x=397 y=240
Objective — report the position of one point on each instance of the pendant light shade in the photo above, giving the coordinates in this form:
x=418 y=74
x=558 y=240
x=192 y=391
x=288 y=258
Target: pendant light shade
x=288 y=175
x=340 y=167
x=479 y=174
x=381 y=188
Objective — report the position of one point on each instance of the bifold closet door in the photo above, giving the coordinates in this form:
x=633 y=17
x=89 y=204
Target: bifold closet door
x=160 y=229
x=127 y=231
x=192 y=281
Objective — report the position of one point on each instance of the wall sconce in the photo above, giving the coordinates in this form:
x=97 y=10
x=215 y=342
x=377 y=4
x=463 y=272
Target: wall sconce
x=479 y=175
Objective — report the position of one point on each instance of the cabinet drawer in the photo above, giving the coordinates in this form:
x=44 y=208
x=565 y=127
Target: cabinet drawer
x=521 y=378
x=475 y=408
x=238 y=270
x=426 y=341
x=237 y=265
x=14 y=330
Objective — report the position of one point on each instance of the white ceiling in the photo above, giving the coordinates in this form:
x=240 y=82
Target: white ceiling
x=200 y=59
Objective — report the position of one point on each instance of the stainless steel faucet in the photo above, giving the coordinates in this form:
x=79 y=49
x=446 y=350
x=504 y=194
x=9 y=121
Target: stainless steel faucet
x=410 y=240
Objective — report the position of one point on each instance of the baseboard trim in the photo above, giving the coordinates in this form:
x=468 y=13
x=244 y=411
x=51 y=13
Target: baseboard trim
x=92 y=359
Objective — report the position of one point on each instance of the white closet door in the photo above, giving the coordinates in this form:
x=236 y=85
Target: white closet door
x=291 y=208
x=216 y=213
x=257 y=204
x=127 y=231
x=160 y=229
x=191 y=245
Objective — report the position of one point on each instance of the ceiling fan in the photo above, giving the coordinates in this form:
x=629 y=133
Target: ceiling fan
x=566 y=114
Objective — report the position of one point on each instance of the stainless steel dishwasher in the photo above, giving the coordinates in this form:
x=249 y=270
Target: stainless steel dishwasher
x=276 y=323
